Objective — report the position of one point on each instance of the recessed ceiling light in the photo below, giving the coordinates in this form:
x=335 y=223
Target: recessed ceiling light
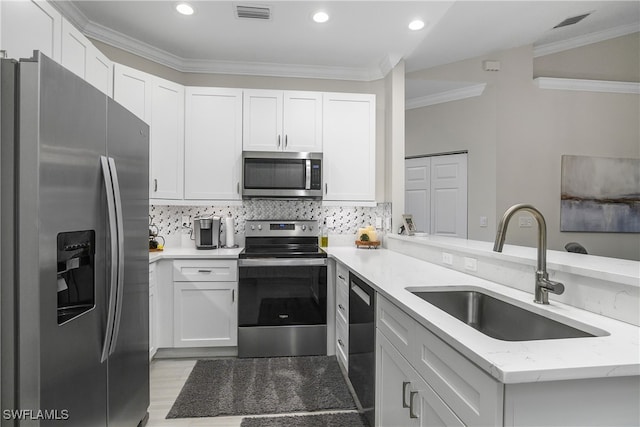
x=184 y=9
x=321 y=17
x=416 y=25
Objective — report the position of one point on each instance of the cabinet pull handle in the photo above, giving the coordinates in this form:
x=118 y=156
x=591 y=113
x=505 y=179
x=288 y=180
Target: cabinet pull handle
x=341 y=307
x=411 y=396
x=341 y=277
x=404 y=393
x=340 y=342
x=233 y=295
x=155 y=185
x=278 y=141
x=204 y=271
x=286 y=141
x=238 y=187
x=326 y=187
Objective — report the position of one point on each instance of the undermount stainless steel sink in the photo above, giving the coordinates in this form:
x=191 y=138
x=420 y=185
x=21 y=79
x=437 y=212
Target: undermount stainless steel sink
x=498 y=319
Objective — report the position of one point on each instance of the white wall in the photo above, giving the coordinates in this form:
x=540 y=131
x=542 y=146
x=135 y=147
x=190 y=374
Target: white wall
x=516 y=134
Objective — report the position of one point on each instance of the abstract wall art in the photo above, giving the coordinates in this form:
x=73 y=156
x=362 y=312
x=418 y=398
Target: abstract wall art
x=600 y=194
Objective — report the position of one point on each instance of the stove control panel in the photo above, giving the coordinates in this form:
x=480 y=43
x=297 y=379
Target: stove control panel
x=280 y=228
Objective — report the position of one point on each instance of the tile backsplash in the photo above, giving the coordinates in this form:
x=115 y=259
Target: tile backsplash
x=346 y=220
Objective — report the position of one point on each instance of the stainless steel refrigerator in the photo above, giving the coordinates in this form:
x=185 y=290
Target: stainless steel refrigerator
x=74 y=298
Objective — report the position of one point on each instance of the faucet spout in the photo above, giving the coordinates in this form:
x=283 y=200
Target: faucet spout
x=543 y=284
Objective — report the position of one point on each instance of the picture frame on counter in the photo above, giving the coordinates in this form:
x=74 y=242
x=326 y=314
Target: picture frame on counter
x=409 y=225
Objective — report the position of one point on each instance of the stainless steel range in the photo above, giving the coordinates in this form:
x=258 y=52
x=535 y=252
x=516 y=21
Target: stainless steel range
x=282 y=290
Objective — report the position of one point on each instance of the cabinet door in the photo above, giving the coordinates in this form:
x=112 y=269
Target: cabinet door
x=205 y=314
x=262 y=120
x=167 y=140
x=302 y=121
x=213 y=143
x=153 y=312
x=99 y=70
x=393 y=386
x=74 y=49
x=132 y=89
x=81 y=57
x=29 y=25
x=349 y=146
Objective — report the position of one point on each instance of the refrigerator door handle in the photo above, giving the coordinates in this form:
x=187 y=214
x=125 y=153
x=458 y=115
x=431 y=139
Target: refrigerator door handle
x=113 y=277
x=119 y=221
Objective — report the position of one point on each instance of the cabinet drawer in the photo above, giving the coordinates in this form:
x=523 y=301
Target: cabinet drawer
x=342 y=343
x=396 y=325
x=474 y=396
x=342 y=304
x=342 y=276
x=224 y=270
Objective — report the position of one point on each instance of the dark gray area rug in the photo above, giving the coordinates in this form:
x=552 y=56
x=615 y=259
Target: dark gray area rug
x=352 y=419
x=262 y=386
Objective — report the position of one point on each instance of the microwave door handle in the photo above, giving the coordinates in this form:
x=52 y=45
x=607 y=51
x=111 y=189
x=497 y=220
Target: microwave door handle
x=307 y=185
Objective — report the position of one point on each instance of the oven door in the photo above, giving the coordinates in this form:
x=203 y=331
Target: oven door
x=282 y=307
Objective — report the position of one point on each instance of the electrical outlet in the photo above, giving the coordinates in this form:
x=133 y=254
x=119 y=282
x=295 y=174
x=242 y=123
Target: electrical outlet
x=186 y=221
x=484 y=222
x=387 y=224
x=470 y=264
x=378 y=222
x=525 y=221
x=447 y=258
x=330 y=222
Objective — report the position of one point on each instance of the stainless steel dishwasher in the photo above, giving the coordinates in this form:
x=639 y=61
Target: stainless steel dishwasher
x=362 y=332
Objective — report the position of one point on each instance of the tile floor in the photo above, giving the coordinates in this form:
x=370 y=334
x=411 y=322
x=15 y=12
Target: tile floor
x=167 y=378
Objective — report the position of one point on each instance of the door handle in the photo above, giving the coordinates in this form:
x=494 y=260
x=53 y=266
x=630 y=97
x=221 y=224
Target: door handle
x=120 y=225
x=411 y=396
x=113 y=244
x=405 y=384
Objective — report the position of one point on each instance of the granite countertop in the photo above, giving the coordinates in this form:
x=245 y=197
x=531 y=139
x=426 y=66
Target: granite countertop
x=193 y=253
x=614 y=354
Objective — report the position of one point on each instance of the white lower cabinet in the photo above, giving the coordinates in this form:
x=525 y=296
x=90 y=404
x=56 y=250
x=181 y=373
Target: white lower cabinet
x=153 y=311
x=342 y=315
x=404 y=398
x=422 y=381
x=205 y=307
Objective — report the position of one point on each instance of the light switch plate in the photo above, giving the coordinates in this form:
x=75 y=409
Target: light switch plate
x=470 y=264
x=378 y=222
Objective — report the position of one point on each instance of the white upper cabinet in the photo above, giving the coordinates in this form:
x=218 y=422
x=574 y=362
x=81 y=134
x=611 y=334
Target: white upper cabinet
x=132 y=89
x=81 y=57
x=262 y=122
x=277 y=121
x=213 y=143
x=29 y=25
x=302 y=121
x=349 y=147
x=160 y=103
x=167 y=140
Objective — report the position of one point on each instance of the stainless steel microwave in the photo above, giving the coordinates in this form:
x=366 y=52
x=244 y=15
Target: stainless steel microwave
x=281 y=175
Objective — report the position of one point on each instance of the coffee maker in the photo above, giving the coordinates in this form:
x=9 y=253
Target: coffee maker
x=207 y=232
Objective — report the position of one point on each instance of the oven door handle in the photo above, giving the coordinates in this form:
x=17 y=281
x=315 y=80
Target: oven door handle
x=281 y=262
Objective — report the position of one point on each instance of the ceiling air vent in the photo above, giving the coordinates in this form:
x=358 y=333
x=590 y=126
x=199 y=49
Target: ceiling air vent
x=572 y=20
x=253 y=12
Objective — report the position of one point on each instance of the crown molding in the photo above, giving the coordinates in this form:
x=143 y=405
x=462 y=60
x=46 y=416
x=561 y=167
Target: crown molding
x=447 y=96
x=606 y=86
x=586 y=39
x=152 y=53
x=71 y=12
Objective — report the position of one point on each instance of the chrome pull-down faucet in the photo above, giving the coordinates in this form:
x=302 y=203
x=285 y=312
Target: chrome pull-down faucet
x=543 y=284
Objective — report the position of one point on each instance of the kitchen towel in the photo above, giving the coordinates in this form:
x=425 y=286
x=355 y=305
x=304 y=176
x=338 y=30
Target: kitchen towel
x=275 y=385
